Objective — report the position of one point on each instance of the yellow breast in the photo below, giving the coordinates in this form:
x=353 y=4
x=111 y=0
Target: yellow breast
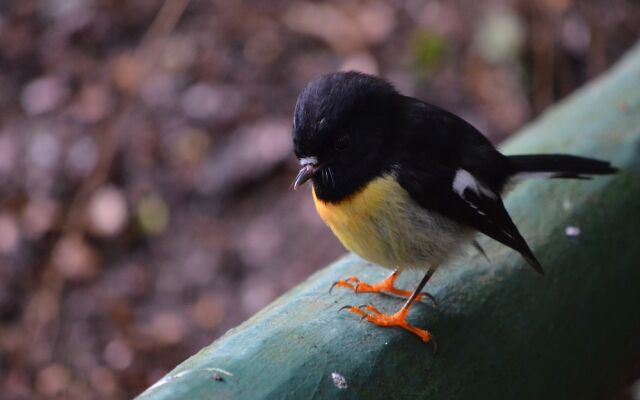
x=382 y=224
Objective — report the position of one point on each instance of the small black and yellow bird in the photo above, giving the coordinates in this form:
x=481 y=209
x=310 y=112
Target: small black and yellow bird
x=405 y=184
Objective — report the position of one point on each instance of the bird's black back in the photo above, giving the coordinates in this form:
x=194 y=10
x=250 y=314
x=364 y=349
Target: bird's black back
x=437 y=142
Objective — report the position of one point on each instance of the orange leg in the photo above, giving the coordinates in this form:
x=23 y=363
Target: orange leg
x=399 y=319
x=387 y=285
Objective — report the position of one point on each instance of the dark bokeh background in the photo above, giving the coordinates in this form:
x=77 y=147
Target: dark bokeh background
x=145 y=156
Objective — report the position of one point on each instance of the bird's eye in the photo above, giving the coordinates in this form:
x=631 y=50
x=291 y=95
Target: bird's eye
x=342 y=143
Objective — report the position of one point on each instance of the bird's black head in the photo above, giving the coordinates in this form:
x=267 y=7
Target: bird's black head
x=342 y=132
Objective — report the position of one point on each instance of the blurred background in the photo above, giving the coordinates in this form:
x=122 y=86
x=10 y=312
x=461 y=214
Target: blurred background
x=145 y=156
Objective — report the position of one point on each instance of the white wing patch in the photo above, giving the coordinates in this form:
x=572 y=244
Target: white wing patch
x=464 y=180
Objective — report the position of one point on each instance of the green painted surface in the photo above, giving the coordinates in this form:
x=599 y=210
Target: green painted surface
x=504 y=332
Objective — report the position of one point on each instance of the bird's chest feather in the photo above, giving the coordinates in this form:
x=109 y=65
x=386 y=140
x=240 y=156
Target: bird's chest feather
x=382 y=224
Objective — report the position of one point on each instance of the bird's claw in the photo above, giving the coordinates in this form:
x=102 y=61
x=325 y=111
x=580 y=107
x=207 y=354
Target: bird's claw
x=344 y=307
x=349 y=283
x=358 y=306
x=430 y=297
x=371 y=314
x=386 y=286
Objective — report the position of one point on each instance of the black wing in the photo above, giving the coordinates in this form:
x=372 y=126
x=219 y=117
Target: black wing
x=441 y=145
x=478 y=210
x=489 y=216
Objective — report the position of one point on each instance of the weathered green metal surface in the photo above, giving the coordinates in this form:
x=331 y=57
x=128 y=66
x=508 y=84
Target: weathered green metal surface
x=504 y=332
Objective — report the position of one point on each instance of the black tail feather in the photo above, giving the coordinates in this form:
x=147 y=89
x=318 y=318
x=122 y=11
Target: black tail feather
x=560 y=166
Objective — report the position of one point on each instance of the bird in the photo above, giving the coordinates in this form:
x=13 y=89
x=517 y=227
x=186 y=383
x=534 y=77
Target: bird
x=407 y=185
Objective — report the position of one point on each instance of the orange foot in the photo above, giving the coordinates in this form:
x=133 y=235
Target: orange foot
x=386 y=285
x=398 y=319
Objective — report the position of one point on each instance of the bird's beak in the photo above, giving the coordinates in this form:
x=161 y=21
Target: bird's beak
x=306 y=173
